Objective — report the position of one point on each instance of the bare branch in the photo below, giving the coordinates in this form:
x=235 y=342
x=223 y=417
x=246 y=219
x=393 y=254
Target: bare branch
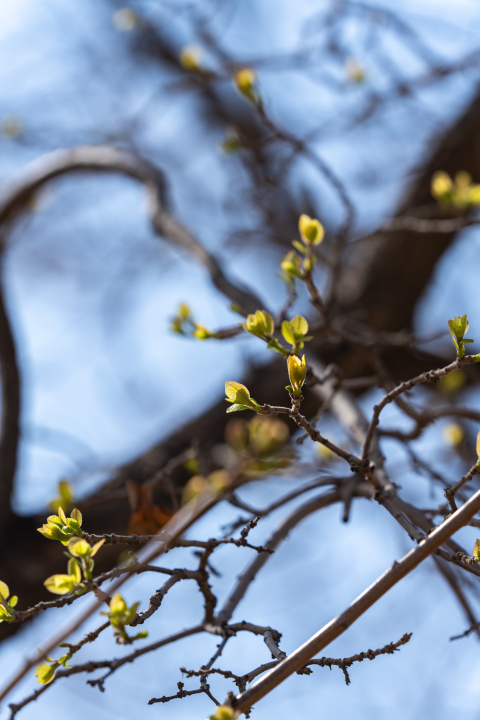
x=368 y=598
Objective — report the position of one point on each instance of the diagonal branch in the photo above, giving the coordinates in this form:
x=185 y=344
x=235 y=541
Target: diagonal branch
x=369 y=597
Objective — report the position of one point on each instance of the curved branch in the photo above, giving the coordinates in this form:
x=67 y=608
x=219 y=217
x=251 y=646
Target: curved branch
x=93 y=158
x=105 y=158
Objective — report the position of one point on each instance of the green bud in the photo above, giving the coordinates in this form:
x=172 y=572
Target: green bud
x=260 y=324
x=476 y=551
x=117 y=604
x=291 y=267
x=297 y=370
x=457 y=329
x=201 y=332
x=191 y=58
x=245 y=80
x=311 y=230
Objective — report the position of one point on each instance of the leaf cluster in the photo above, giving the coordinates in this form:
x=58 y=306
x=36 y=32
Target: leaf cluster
x=80 y=567
x=7 y=603
x=459 y=193
x=218 y=480
x=457 y=329
x=59 y=527
x=183 y=323
x=311 y=233
x=260 y=444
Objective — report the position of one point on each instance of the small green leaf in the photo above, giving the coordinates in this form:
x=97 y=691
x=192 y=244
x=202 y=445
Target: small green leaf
x=291 y=267
x=117 y=604
x=97 y=547
x=299 y=327
x=237 y=408
x=4 y=591
x=236 y=309
x=298 y=246
x=64 y=659
x=5 y=614
x=73 y=527
x=76 y=515
x=287 y=332
x=74 y=571
x=45 y=673
x=60 y=584
x=62 y=516
x=236 y=392
x=79 y=547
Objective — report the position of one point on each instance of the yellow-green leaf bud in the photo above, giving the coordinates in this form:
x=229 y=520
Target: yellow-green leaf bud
x=311 y=230
x=260 y=324
x=453 y=434
x=291 y=266
x=442 y=184
x=245 y=80
x=191 y=58
x=297 y=370
x=117 y=605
